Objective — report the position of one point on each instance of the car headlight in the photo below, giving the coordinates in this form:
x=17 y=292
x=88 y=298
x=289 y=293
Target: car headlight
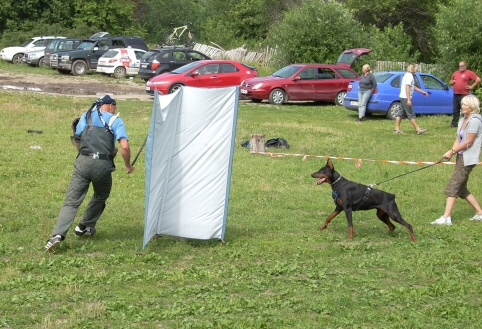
x=258 y=85
x=159 y=83
x=65 y=58
x=32 y=56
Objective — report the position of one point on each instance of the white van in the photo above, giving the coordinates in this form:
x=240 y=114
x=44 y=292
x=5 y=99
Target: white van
x=120 y=62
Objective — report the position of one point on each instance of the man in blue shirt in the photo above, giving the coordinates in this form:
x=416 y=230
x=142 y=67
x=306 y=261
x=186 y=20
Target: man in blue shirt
x=95 y=136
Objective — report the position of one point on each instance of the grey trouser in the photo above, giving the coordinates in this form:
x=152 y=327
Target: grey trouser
x=86 y=170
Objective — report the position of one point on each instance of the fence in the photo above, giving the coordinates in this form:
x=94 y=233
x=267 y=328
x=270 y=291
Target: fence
x=264 y=56
x=261 y=57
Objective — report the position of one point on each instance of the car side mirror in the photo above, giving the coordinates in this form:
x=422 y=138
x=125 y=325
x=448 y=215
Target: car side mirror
x=95 y=48
x=296 y=78
x=194 y=73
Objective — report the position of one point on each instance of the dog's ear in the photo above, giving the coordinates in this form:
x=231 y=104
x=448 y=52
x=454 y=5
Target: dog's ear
x=329 y=163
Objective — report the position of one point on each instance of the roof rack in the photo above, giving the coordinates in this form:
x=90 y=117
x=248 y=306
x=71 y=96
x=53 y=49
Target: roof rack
x=172 y=46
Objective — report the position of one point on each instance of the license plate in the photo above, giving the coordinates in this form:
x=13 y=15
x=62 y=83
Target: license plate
x=355 y=103
x=144 y=66
x=148 y=88
x=244 y=91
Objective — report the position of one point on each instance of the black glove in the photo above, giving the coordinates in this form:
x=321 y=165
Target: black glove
x=74 y=138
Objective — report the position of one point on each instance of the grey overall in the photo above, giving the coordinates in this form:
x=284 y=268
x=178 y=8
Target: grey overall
x=94 y=163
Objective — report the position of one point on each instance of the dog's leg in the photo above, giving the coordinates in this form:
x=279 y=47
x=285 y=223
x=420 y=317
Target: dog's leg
x=330 y=217
x=394 y=214
x=383 y=216
x=351 y=231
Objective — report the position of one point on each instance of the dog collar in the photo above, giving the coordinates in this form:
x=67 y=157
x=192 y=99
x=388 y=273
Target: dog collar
x=336 y=180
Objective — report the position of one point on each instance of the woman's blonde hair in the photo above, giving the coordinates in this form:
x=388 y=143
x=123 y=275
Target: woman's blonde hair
x=366 y=67
x=412 y=68
x=472 y=102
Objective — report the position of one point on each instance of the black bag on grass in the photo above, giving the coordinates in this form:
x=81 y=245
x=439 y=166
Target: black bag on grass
x=278 y=143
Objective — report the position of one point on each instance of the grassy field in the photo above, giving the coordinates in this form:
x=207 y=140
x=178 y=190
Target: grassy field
x=275 y=269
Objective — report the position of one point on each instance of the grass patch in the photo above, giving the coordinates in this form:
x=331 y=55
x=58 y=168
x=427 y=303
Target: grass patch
x=276 y=270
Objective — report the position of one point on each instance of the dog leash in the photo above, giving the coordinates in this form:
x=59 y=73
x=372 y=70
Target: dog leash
x=430 y=165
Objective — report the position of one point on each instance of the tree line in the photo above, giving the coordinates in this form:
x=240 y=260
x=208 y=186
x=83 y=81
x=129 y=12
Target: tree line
x=429 y=31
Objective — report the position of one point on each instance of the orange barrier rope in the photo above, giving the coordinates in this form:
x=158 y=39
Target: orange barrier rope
x=359 y=161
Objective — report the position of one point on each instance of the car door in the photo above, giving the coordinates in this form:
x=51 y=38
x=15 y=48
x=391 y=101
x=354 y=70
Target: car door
x=134 y=61
x=327 y=84
x=302 y=85
x=440 y=96
x=350 y=55
x=178 y=59
x=208 y=76
x=100 y=49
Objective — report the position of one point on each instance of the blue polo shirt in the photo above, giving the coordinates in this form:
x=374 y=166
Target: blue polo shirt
x=117 y=127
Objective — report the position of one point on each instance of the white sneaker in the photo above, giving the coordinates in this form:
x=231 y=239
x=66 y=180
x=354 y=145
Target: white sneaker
x=443 y=221
x=477 y=217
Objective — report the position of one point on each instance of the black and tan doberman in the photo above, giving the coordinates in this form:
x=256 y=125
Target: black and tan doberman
x=350 y=196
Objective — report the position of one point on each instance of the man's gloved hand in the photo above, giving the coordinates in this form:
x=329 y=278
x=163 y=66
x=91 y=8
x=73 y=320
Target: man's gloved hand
x=75 y=139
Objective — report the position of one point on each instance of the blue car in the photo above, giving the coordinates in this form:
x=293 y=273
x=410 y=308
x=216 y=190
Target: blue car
x=386 y=100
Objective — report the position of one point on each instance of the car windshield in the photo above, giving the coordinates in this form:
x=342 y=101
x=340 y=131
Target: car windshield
x=26 y=43
x=185 y=68
x=51 y=45
x=381 y=77
x=287 y=71
x=86 y=45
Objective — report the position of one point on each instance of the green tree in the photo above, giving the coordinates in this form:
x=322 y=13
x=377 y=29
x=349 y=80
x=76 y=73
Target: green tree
x=115 y=17
x=418 y=19
x=317 y=31
x=459 y=35
x=157 y=15
x=21 y=20
x=391 y=44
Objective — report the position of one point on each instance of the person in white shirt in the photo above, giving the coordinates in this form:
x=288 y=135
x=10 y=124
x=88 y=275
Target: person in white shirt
x=407 y=88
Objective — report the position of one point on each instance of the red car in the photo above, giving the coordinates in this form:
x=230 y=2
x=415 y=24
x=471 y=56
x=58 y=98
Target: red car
x=305 y=82
x=205 y=73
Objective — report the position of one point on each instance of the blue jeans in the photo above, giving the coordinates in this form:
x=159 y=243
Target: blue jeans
x=363 y=97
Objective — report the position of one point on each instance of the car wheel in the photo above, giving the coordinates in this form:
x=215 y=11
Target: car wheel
x=79 y=67
x=340 y=97
x=119 y=72
x=277 y=96
x=394 y=110
x=42 y=62
x=17 y=59
x=174 y=88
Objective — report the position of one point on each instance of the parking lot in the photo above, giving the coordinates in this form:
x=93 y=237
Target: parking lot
x=83 y=86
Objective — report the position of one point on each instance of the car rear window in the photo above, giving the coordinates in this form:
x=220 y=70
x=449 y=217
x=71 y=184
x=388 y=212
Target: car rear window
x=226 y=68
x=148 y=56
x=111 y=53
x=381 y=77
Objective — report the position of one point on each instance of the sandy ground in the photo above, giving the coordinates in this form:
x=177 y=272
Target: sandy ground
x=80 y=86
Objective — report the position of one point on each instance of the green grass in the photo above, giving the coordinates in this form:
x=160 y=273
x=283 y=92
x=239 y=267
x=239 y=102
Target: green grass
x=275 y=269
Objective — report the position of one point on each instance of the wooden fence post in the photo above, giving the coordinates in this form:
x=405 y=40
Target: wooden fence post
x=256 y=143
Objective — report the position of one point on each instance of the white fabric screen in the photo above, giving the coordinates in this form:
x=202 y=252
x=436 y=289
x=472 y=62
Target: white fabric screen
x=189 y=153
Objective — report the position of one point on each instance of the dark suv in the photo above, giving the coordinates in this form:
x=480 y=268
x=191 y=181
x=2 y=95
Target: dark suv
x=87 y=54
x=162 y=60
x=59 y=45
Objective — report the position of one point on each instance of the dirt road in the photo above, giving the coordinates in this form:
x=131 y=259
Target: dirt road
x=81 y=86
